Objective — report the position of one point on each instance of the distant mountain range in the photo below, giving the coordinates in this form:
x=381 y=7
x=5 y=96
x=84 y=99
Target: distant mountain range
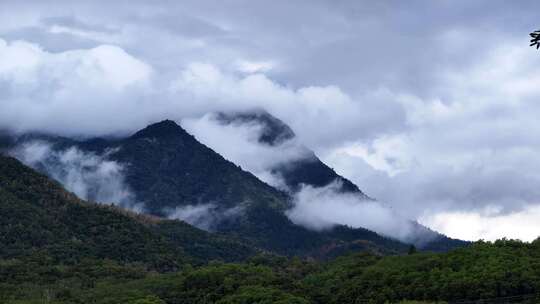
x=172 y=175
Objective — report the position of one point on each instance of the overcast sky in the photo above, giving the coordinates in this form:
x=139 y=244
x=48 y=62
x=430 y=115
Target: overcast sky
x=429 y=106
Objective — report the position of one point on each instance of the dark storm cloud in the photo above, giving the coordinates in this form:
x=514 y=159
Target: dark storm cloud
x=428 y=105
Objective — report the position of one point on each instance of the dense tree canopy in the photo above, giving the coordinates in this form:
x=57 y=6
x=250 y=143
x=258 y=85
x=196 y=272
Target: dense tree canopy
x=503 y=269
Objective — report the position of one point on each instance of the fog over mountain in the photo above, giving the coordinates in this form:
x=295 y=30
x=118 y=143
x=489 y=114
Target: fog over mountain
x=268 y=148
x=90 y=176
x=433 y=113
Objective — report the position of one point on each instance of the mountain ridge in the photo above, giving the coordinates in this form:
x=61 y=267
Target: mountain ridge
x=311 y=171
x=167 y=168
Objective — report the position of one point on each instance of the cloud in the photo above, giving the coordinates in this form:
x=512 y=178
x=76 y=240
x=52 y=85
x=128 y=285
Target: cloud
x=314 y=208
x=90 y=176
x=70 y=26
x=334 y=114
x=239 y=144
x=255 y=66
x=104 y=67
x=325 y=207
x=203 y=216
x=72 y=92
x=477 y=225
x=82 y=92
x=470 y=148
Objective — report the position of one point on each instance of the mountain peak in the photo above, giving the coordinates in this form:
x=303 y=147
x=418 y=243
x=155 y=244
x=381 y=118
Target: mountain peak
x=274 y=130
x=306 y=171
x=165 y=128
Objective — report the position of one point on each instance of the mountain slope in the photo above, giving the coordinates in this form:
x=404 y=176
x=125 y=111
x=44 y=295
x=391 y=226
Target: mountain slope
x=173 y=174
x=311 y=171
x=38 y=215
x=169 y=168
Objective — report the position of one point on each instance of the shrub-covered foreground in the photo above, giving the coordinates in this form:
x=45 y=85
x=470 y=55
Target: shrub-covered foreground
x=482 y=271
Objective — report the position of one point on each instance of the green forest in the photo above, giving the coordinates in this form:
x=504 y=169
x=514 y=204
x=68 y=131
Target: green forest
x=57 y=248
x=482 y=271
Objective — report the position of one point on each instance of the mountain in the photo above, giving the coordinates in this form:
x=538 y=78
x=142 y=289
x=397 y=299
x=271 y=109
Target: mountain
x=39 y=216
x=59 y=249
x=169 y=168
x=171 y=173
x=311 y=171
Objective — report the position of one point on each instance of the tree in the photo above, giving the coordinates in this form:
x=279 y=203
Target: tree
x=535 y=40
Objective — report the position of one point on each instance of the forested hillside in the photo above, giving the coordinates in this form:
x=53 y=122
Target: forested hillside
x=167 y=169
x=40 y=217
x=57 y=248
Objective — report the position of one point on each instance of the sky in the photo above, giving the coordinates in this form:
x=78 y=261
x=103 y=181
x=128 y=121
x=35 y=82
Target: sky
x=428 y=106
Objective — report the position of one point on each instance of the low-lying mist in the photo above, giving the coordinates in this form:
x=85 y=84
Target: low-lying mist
x=90 y=176
x=96 y=178
x=314 y=208
x=203 y=216
x=324 y=207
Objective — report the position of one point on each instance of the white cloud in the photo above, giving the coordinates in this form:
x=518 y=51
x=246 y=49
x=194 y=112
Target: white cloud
x=472 y=146
x=246 y=66
x=103 y=67
x=82 y=91
x=90 y=91
x=203 y=216
x=197 y=215
x=386 y=153
x=325 y=207
x=239 y=143
x=90 y=176
x=110 y=65
x=327 y=109
x=473 y=226
x=17 y=58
